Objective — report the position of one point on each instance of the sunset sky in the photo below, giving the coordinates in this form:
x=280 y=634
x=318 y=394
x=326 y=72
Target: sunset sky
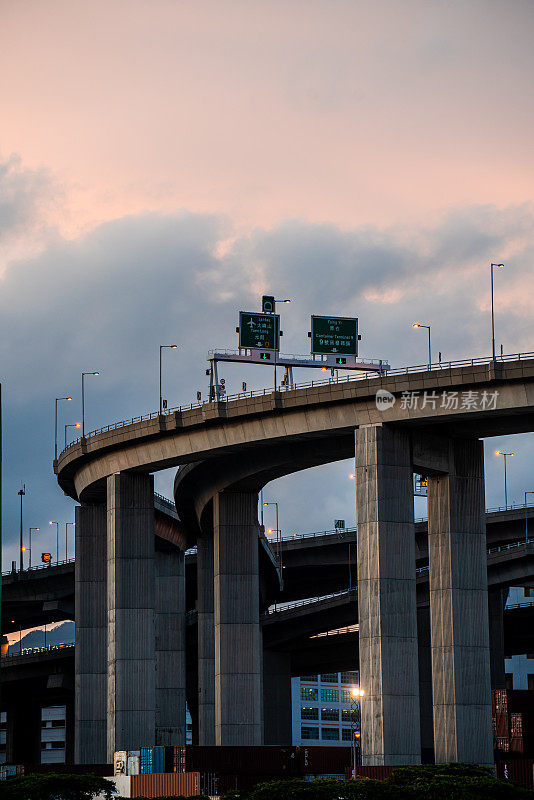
x=165 y=162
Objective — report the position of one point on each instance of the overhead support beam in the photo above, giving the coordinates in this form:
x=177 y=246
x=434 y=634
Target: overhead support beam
x=238 y=643
x=387 y=597
x=459 y=608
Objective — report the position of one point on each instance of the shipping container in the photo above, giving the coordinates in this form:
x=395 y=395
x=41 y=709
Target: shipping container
x=506 y=701
x=502 y=744
x=517 y=770
x=133 y=764
x=244 y=760
x=158 y=760
x=145 y=761
x=323 y=760
x=501 y=725
x=165 y=784
x=120 y=762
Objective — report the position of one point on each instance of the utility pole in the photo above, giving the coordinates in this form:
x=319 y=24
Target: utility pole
x=21 y=492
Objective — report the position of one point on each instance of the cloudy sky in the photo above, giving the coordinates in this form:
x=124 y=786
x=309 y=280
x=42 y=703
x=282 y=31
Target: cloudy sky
x=164 y=163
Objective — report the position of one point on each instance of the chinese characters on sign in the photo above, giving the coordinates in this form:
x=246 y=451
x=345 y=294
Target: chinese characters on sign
x=259 y=330
x=331 y=335
x=450 y=401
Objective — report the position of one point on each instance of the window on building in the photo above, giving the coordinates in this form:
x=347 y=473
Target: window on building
x=509 y=680
x=331 y=734
x=330 y=714
x=530 y=682
x=330 y=695
x=346 y=734
x=308 y=693
x=350 y=677
x=307 y=712
x=329 y=677
x=309 y=733
x=345 y=696
x=347 y=715
x=308 y=677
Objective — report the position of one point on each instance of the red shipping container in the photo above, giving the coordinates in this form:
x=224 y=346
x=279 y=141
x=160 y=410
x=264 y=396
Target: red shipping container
x=501 y=726
x=518 y=770
x=512 y=700
x=324 y=760
x=502 y=744
x=244 y=760
x=165 y=783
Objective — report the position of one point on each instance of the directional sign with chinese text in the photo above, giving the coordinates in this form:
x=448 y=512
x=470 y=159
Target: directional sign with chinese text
x=259 y=330
x=332 y=335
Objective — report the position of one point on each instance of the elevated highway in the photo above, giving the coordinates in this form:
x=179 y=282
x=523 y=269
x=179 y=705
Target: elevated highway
x=226 y=452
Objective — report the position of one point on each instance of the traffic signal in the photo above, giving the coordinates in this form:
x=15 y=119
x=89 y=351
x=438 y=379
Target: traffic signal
x=46 y=558
x=267 y=304
x=341 y=360
x=265 y=356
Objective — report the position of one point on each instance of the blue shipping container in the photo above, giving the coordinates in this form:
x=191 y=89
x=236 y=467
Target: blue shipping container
x=145 y=761
x=158 y=760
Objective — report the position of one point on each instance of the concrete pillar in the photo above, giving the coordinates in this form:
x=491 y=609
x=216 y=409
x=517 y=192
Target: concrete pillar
x=459 y=608
x=238 y=643
x=170 y=647
x=496 y=603
x=387 y=597
x=90 y=635
x=277 y=720
x=206 y=641
x=425 y=684
x=131 y=654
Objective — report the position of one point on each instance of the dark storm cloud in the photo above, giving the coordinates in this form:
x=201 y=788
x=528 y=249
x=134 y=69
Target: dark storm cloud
x=106 y=300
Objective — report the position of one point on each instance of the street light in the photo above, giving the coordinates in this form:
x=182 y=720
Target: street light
x=163 y=347
x=420 y=325
x=492 y=314
x=66 y=532
x=57 y=540
x=58 y=399
x=21 y=493
x=500 y=453
x=74 y=425
x=83 y=400
x=275 y=301
x=270 y=530
x=526 y=518
x=30 y=544
x=355 y=709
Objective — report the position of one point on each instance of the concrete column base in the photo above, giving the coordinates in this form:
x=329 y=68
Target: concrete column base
x=131 y=654
x=238 y=683
x=206 y=641
x=90 y=635
x=389 y=672
x=459 y=608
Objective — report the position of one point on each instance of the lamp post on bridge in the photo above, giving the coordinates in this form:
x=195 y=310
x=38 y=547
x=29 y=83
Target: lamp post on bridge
x=492 y=311
x=504 y=455
x=277 y=532
x=83 y=400
x=58 y=399
x=526 y=517
x=269 y=307
x=420 y=325
x=66 y=541
x=30 y=544
x=57 y=539
x=74 y=425
x=21 y=493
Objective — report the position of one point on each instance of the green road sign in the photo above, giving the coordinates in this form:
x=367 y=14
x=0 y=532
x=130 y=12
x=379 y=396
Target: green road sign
x=259 y=330
x=331 y=335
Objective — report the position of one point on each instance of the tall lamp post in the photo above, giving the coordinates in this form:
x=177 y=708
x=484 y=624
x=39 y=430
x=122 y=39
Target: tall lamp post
x=58 y=400
x=492 y=312
x=420 y=325
x=504 y=455
x=83 y=399
x=66 y=540
x=161 y=348
x=74 y=425
x=355 y=717
x=275 y=301
x=57 y=540
x=277 y=532
x=526 y=517
x=21 y=494
x=30 y=544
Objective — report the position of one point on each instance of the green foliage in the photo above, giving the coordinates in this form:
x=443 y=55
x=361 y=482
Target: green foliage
x=56 y=787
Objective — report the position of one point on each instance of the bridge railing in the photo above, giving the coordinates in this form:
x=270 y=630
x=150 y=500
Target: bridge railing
x=38 y=567
x=279 y=608
x=440 y=366
x=339 y=531
x=32 y=651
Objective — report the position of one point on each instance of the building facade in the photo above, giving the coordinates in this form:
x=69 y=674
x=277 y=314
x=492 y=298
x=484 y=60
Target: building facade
x=324 y=711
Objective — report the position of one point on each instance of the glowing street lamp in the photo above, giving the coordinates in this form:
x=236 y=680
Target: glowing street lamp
x=57 y=539
x=492 y=313
x=83 y=400
x=420 y=325
x=355 y=716
x=58 y=399
x=74 y=425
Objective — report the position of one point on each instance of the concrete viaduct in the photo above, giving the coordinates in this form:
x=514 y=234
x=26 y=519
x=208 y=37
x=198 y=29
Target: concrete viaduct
x=130 y=597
